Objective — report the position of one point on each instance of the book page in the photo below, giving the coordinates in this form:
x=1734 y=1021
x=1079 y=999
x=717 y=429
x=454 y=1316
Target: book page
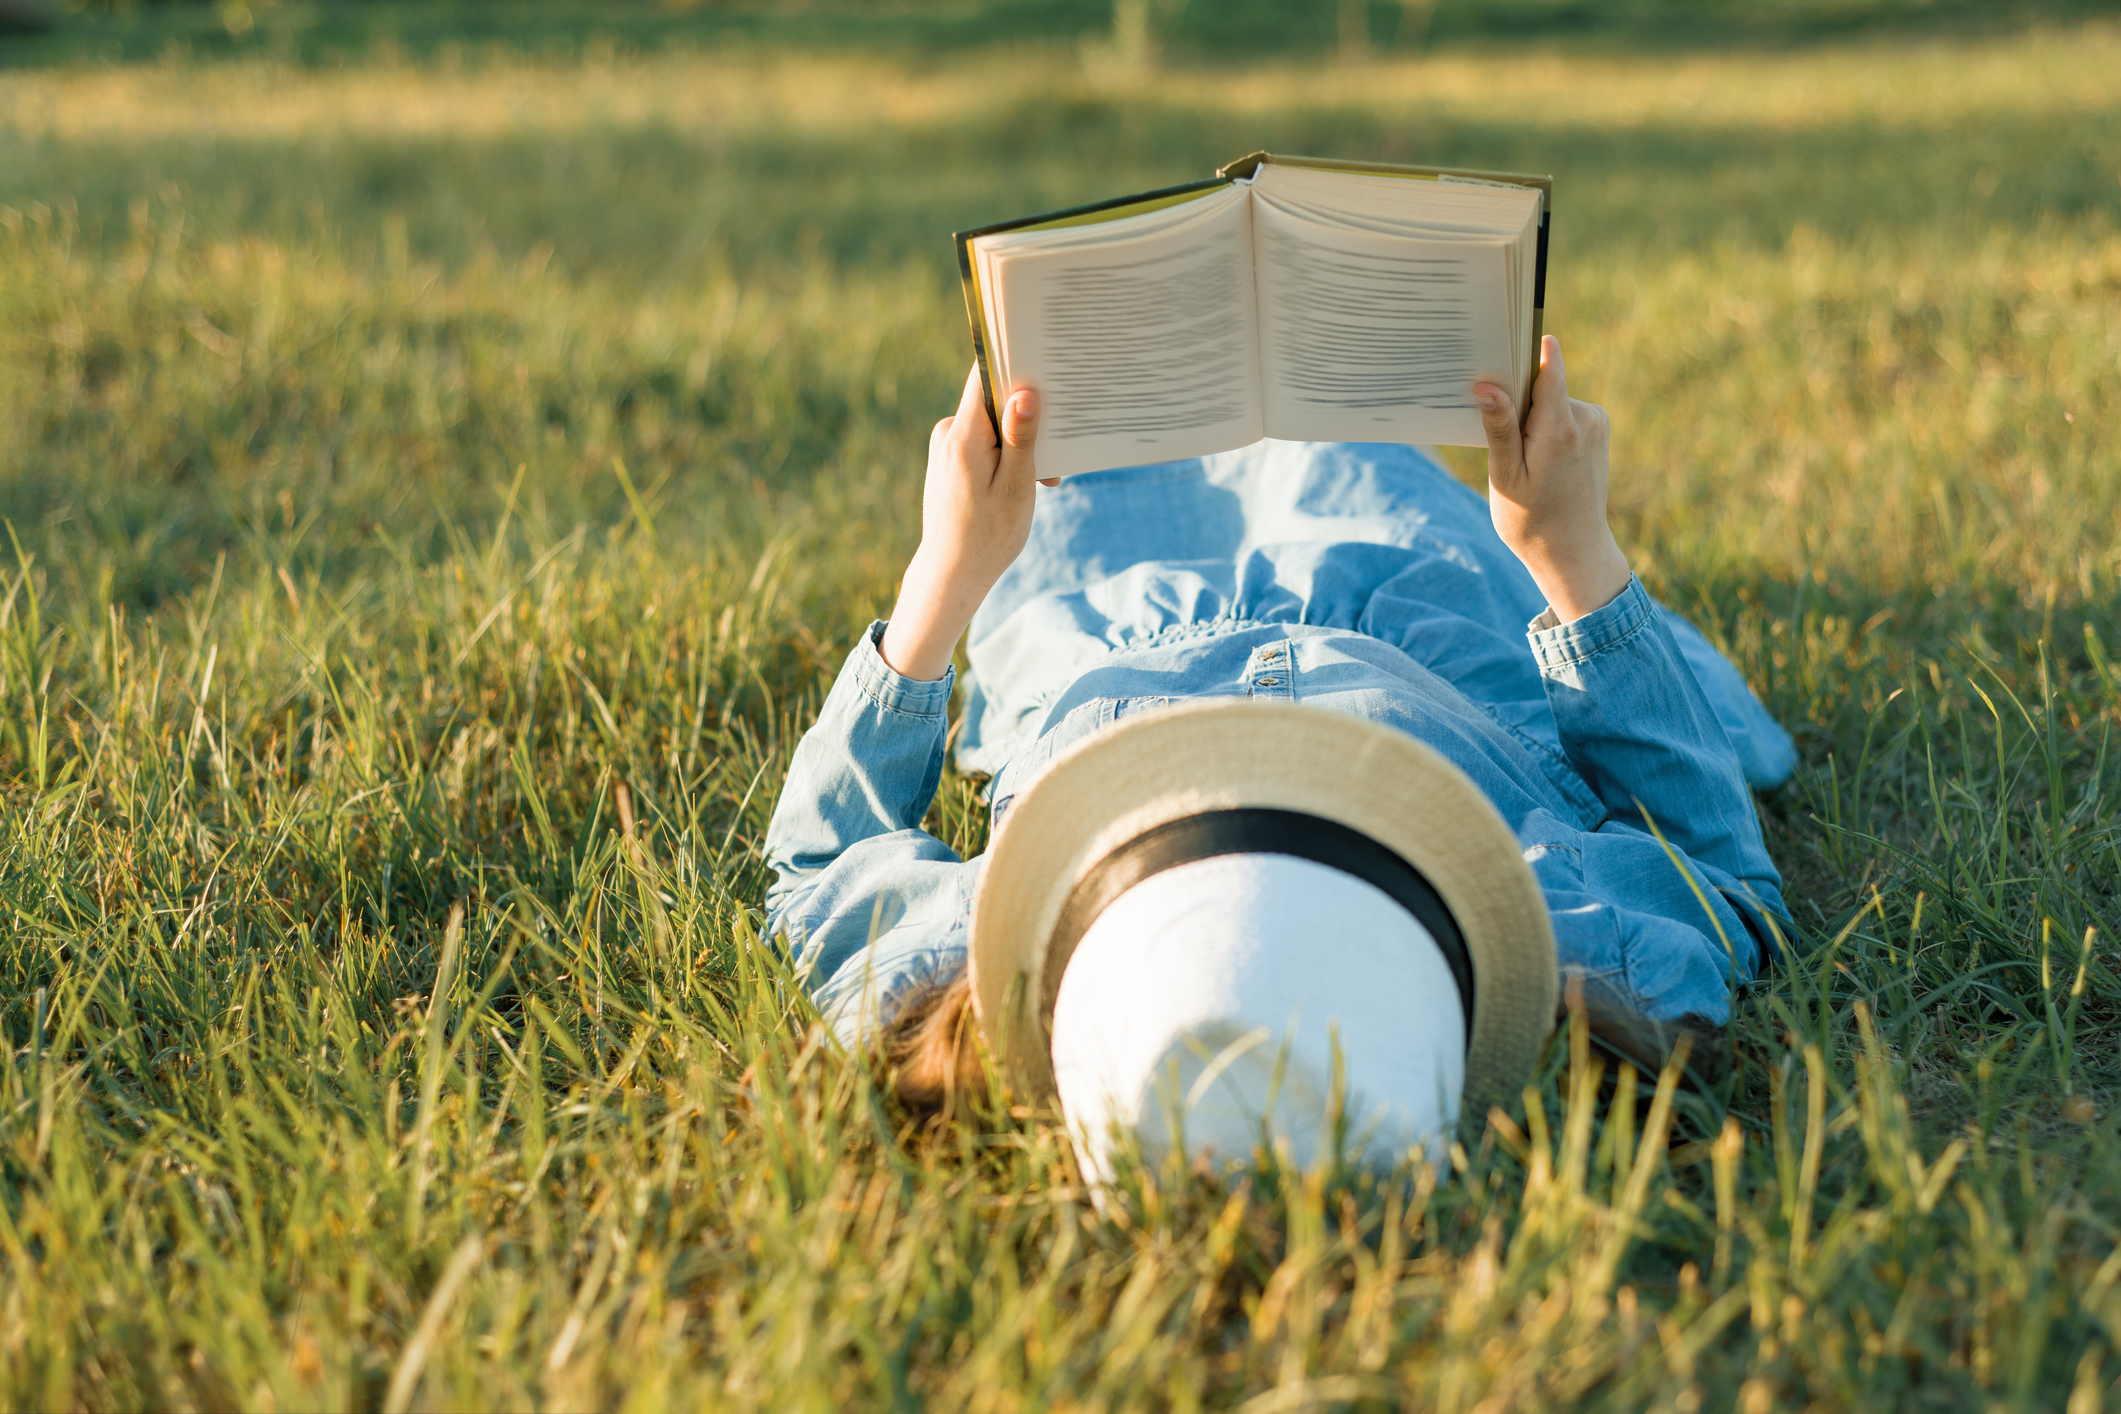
x=1442 y=207
x=1373 y=337
x=1447 y=209
x=1137 y=334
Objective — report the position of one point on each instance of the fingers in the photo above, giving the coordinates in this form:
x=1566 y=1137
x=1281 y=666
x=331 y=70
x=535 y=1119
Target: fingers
x=1019 y=433
x=1550 y=390
x=970 y=420
x=1552 y=414
x=1498 y=418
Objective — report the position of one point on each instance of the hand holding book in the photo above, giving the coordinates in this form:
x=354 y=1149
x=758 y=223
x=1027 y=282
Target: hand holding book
x=975 y=517
x=1547 y=489
x=1289 y=298
x=1547 y=477
x=1326 y=301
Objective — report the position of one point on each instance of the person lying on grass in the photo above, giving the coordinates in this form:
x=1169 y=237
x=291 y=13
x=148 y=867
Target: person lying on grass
x=1312 y=778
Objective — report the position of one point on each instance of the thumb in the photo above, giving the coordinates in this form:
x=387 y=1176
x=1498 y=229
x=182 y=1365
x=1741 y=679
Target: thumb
x=1019 y=433
x=1498 y=418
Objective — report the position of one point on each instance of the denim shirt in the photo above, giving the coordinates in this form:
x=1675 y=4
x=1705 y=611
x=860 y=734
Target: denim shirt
x=1356 y=578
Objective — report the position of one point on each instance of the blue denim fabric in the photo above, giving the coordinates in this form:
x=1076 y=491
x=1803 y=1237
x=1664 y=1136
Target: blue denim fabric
x=1359 y=578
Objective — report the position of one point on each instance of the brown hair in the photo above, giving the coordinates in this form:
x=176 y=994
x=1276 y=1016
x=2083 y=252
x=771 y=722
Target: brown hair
x=932 y=1047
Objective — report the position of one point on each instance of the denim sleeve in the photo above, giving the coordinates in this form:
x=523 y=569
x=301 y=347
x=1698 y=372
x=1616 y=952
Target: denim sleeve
x=1640 y=730
x=1765 y=750
x=869 y=906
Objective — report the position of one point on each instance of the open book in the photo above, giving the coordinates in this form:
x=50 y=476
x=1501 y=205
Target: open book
x=1287 y=297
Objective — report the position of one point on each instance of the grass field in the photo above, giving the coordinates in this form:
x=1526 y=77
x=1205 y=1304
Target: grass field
x=443 y=476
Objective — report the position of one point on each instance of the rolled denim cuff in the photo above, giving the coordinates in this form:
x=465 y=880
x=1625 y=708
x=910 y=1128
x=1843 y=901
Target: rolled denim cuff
x=1565 y=645
x=892 y=691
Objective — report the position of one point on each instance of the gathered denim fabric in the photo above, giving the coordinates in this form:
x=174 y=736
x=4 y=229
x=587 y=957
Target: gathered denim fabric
x=1360 y=578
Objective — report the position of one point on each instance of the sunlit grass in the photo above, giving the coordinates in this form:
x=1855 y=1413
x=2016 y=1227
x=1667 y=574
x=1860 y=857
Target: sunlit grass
x=442 y=490
x=494 y=90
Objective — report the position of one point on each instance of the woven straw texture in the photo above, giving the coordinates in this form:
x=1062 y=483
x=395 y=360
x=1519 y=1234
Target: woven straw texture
x=1237 y=752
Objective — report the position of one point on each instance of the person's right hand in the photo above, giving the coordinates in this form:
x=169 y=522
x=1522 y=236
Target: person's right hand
x=975 y=517
x=1547 y=489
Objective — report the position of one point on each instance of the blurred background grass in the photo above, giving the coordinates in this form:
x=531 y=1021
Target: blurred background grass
x=497 y=192
x=315 y=32
x=418 y=423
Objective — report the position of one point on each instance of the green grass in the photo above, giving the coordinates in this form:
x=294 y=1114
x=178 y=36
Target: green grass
x=335 y=32
x=442 y=486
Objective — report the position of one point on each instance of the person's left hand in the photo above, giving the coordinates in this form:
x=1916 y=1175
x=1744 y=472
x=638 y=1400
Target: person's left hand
x=975 y=517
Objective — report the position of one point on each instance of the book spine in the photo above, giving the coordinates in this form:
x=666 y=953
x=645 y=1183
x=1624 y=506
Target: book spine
x=1539 y=271
x=1539 y=301
x=976 y=314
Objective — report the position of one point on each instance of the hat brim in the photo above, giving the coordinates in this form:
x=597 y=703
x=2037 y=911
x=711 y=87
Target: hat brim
x=1237 y=753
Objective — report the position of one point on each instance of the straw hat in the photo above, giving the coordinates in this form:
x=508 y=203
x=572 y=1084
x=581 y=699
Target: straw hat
x=1157 y=791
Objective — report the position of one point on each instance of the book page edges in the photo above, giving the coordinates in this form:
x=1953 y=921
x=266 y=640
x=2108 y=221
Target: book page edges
x=1249 y=165
x=1195 y=386
x=1251 y=162
x=975 y=313
x=1243 y=168
x=1100 y=211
